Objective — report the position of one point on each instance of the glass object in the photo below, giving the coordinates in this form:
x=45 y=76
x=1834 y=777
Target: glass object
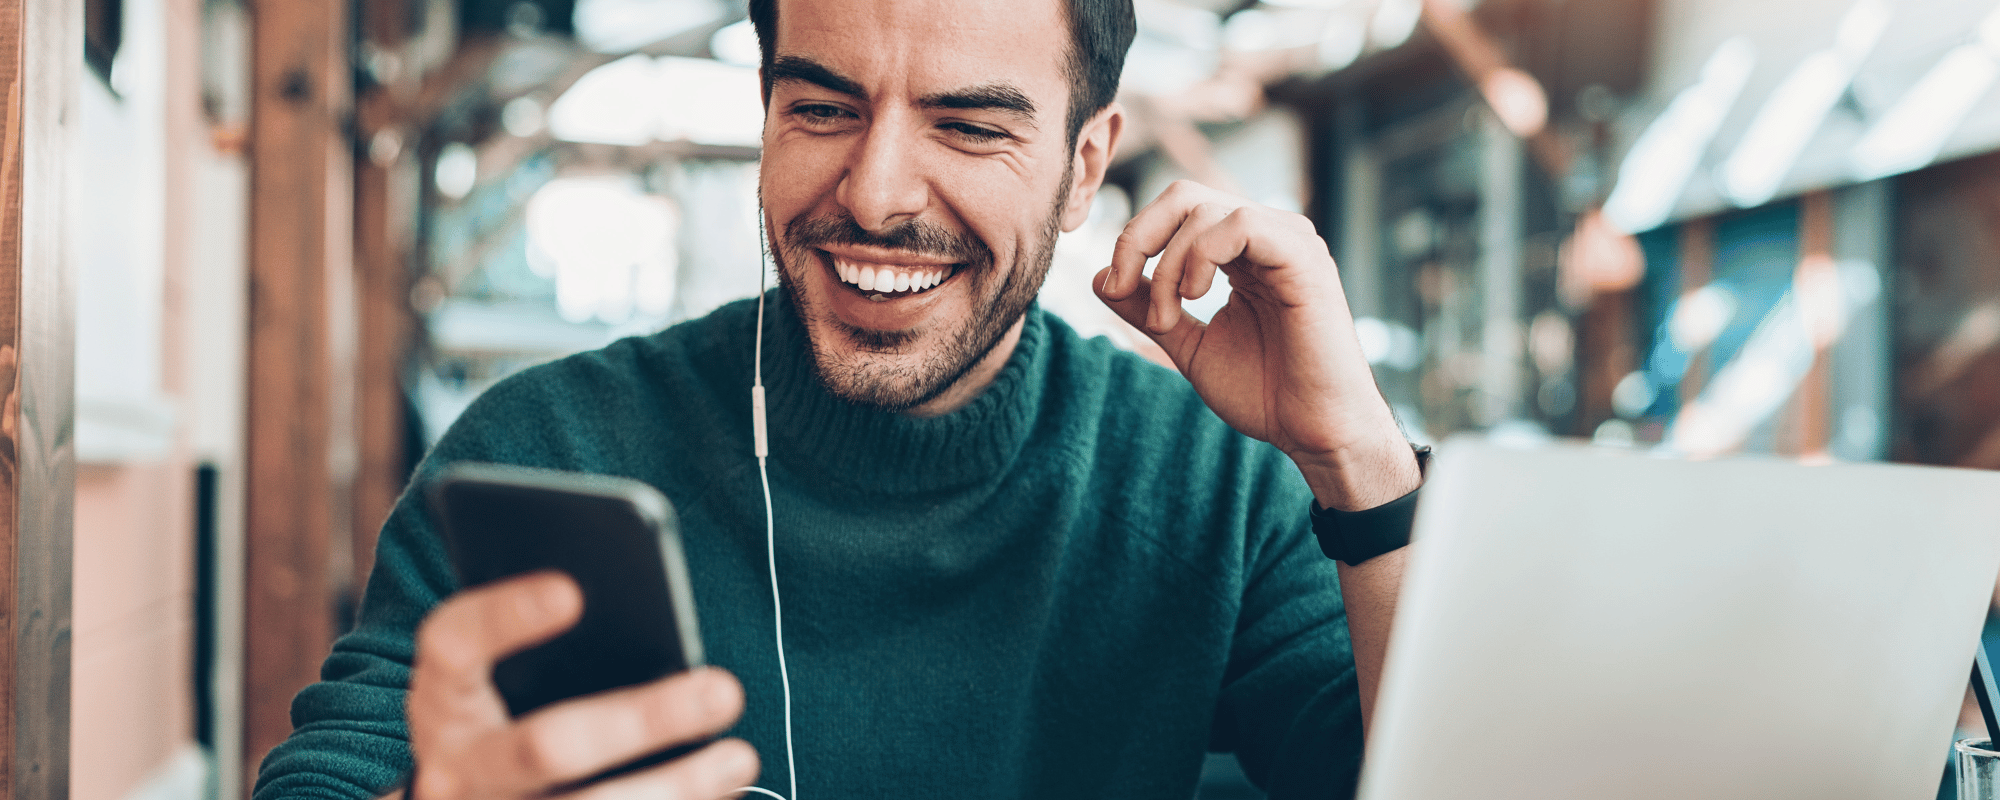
x=1978 y=770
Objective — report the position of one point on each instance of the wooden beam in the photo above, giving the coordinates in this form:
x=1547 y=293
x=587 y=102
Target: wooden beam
x=1697 y=246
x=382 y=211
x=1816 y=290
x=299 y=173
x=38 y=67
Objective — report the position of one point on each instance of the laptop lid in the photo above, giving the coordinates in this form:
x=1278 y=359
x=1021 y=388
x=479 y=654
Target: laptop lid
x=1593 y=623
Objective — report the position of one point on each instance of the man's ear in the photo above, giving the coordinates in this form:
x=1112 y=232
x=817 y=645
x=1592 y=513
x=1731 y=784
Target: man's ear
x=1095 y=145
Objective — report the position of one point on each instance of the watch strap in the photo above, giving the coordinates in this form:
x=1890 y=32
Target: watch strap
x=1353 y=537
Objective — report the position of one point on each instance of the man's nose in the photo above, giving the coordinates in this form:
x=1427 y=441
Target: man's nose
x=884 y=186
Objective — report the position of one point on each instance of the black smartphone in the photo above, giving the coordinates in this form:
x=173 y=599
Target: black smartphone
x=617 y=537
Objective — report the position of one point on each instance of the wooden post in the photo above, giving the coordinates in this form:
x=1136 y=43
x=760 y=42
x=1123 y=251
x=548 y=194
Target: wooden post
x=299 y=245
x=1816 y=290
x=382 y=283
x=39 y=60
x=385 y=189
x=1697 y=251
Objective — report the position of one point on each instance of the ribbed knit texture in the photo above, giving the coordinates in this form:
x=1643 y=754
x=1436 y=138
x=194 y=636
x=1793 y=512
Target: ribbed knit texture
x=1070 y=588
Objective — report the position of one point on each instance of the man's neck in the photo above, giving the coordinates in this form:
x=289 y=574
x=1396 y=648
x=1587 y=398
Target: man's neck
x=975 y=380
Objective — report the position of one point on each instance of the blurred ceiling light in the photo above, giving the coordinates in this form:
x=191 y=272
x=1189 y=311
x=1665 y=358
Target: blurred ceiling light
x=1162 y=69
x=457 y=170
x=1657 y=168
x=1597 y=258
x=1254 y=29
x=1767 y=370
x=600 y=107
x=1394 y=21
x=637 y=99
x=709 y=102
x=522 y=116
x=612 y=247
x=1344 y=37
x=1798 y=106
x=736 y=45
x=1517 y=99
x=1633 y=395
x=1817 y=284
x=1913 y=131
x=1389 y=344
x=1187 y=26
x=621 y=26
x=1700 y=316
x=1175 y=48
x=1748 y=389
x=1373 y=335
x=1614 y=433
x=1551 y=343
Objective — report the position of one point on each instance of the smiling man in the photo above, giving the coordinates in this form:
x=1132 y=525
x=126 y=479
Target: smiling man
x=1015 y=564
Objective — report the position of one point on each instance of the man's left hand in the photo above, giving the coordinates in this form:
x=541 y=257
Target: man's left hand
x=1280 y=361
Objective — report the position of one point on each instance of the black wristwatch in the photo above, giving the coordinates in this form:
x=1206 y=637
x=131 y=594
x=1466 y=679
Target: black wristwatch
x=1352 y=537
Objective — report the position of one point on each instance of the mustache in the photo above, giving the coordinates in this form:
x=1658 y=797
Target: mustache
x=915 y=236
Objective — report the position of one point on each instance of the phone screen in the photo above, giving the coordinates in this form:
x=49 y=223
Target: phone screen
x=618 y=538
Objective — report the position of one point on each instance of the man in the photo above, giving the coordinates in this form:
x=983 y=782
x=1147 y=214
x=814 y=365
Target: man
x=1015 y=564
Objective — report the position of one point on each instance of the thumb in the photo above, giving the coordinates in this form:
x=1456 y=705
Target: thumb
x=1132 y=308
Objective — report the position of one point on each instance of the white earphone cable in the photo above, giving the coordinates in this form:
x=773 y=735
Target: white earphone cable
x=760 y=433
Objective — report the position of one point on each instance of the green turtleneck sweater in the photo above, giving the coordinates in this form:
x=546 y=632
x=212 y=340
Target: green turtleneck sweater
x=1072 y=587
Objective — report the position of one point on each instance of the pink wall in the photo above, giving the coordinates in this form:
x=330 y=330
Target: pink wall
x=133 y=612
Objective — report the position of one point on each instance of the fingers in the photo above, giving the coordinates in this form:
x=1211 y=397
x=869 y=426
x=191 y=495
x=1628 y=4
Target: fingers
x=1178 y=341
x=1177 y=275
x=1153 y=227
x=715 y=771
x=563 y=744
x=462 y=639
x=580 y=738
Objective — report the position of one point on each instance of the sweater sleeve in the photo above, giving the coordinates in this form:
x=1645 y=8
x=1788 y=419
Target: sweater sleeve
x=350 y=739
x=1289 y=707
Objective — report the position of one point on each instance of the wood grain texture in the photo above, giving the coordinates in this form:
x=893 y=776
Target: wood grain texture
x=10 y=369
x=38 y=67
x=382 y=288
x=298 y=208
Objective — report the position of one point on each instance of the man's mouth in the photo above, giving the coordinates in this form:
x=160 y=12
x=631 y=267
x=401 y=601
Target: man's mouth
x=881 y=282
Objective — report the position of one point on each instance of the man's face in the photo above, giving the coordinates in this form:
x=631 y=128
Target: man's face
x=915 y=174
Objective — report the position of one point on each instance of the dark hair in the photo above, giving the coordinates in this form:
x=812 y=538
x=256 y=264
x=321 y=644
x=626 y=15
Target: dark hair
x=1100 y=32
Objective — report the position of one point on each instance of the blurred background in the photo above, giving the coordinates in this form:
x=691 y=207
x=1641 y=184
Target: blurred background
x=304 y=234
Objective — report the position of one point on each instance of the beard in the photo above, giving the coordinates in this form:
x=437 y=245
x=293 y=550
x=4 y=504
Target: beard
x=865 y=372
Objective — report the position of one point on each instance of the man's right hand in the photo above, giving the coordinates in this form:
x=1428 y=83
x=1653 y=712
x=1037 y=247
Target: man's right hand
x=467 y=746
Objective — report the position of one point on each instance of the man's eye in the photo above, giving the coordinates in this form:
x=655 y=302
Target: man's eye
x=974 y=132
x=820 y=114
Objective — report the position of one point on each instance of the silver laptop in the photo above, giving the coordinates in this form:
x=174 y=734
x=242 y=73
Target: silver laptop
x=1591 y=623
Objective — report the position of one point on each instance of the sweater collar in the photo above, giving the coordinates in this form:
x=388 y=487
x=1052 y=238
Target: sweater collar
x=812 y=431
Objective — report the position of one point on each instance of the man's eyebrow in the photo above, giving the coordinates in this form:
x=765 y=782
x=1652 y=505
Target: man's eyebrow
x=999 y=97
x=800 y=68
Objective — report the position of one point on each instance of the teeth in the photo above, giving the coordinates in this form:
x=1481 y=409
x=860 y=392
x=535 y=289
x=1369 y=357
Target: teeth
x=870 y=279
